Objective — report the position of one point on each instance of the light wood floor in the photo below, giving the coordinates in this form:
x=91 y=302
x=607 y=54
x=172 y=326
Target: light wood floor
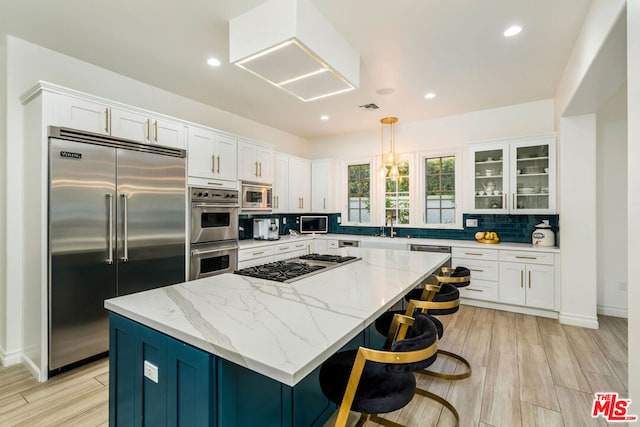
x=527 y=371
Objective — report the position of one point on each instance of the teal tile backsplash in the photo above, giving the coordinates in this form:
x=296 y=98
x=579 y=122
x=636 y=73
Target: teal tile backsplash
x=510 y=228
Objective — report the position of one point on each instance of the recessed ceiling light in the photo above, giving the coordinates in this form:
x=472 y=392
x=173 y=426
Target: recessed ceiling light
x=214 y=62
x=512 y=31
x=325 y=118
x=430 y=95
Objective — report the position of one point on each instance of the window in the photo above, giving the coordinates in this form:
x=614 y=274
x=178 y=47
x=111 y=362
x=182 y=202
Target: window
x=396 y=195
x=440 y=194
x=359 y=187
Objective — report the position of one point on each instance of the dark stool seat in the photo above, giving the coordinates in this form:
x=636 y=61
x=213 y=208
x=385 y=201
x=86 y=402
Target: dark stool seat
x=374 y=381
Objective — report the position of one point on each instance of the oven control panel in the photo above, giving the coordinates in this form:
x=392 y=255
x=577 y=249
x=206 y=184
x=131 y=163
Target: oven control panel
x=202 y=194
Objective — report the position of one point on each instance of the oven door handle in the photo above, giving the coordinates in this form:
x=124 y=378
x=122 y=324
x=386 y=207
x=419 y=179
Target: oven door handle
x=210 y=205
x=195 y=252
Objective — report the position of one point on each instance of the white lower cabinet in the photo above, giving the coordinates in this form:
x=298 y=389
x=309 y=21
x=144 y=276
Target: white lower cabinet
x=531 y=285
x=483 y=265
x=248 y=257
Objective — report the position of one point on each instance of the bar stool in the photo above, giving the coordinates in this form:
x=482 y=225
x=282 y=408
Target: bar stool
x=377 y=381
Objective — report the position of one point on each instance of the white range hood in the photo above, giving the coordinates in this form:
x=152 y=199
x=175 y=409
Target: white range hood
x=292 y=46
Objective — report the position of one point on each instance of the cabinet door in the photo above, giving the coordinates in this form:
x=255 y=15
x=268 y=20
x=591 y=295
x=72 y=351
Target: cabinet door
x=84 y=115
x=323 y=186
x=247 y=162
x=512 y=283
x=167 y=132
x=299 y=185
x=201 y=154
x=134 y=126
x=264 y=157
x=226 y=158
x=281 y=183
x=540 y=286
x=533 y=188
x=490 y=168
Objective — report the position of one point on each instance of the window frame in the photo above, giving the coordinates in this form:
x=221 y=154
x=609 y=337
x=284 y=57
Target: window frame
x=344 y=191
x=381 y=193
x=458 y=180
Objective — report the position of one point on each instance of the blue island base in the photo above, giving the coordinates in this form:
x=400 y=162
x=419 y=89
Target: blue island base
x=196 y=388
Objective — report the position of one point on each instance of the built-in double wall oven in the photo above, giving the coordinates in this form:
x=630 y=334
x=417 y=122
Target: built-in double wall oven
x=214 y=232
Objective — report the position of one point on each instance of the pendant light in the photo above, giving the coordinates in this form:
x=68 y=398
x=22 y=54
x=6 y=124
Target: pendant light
x=390 y=158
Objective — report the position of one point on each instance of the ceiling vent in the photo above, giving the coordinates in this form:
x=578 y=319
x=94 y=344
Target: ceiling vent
x=292 y=46
x=370 y=107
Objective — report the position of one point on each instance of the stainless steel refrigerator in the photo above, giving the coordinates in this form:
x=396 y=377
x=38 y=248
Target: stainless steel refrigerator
x=116 y=226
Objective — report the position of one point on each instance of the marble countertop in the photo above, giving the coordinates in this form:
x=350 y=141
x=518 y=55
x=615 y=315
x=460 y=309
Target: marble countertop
x=280 y=330
x=398 y=241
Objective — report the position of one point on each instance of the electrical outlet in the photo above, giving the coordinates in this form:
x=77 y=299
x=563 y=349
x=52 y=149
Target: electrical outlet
x=545 y=221
x=471 y=222
x=151 y=371
x=284 y=220
x=339 y=220
x=622 y=286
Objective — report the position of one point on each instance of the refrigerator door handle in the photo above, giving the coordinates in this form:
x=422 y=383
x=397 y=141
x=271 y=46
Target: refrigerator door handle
x=125 y=223
x=110 y=236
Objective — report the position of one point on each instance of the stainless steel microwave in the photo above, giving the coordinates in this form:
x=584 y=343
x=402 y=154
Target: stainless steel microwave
x=256 y=196
x=314 y=224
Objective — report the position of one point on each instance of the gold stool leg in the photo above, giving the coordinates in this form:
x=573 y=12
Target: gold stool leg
x=441 y=401
x=460 y=376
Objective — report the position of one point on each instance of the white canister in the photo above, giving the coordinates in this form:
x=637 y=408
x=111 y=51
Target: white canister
x=543 y=235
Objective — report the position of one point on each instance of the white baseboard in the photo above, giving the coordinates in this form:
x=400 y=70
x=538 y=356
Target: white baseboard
x=613 y=310
x=33 y=368
x=509 y=307
x=579 y=320
x=8 y=359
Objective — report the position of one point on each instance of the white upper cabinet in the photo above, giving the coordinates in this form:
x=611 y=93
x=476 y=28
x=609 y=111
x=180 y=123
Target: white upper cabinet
x=255 y=162
x=76 y=113
x=211 y=156
x=323 y=186
x=281 y=183
x=146 y=128
x=299 y=185
x=515 y=176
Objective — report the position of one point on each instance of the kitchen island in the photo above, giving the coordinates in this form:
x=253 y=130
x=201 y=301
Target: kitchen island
x=234 y=350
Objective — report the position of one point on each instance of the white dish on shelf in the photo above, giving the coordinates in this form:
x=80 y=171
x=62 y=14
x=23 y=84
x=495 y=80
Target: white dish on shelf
x=526 y=190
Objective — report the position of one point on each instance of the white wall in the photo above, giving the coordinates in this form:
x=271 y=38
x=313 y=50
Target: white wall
x=3 y=207
x=633 y=110
x=611 y=184
x=578 y=292
x=26 y=64
x=443 y=133
x=597 y=25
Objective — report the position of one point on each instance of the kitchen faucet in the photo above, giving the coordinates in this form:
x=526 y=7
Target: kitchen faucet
x=389 y=221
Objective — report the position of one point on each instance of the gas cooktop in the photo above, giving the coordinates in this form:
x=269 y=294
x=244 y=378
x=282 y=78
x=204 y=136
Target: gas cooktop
x=296 y=268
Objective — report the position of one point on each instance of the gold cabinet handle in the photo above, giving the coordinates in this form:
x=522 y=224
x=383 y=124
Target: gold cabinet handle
x=256 y=169
x=526 y=257
x=521 y=279
x=476 y=269
x=155 y=131
x=303 y=203
x=513 y=200
x=472 y=253
x=106 y=125
x=257 y=253
x=260 y=165
x=148 y=129
x=214 y=183
x=218 y=164
x=324 y=203
x=475 y=290
x=282 y=249
x=213 y=163
x=529 y=279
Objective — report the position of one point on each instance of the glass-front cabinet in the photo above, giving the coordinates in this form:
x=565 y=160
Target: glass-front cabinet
x=514 y=176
